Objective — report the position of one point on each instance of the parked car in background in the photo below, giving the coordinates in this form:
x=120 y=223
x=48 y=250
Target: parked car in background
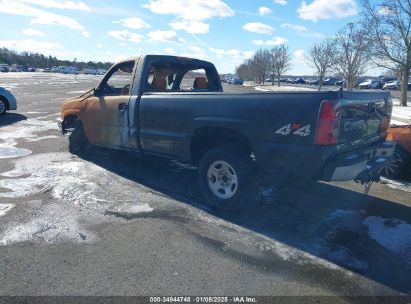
x=238 y=82
x=393 y=85
x=376 y=84
x=298 y=81
x=388 y=79
x=7 y=101
x=401 y=160
x=365 y=85
x=340 y=82
x=330 y=81
x=314 y=81
x=4 y=68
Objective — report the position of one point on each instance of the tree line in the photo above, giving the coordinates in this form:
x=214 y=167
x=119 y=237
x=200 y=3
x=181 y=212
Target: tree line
x=41 y=61
x=381 y=38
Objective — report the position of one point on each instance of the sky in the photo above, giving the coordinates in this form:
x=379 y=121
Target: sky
x=225 y=32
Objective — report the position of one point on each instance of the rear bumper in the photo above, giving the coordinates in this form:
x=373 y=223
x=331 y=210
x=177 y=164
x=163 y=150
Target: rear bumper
x=353 y=166
x=320 y=162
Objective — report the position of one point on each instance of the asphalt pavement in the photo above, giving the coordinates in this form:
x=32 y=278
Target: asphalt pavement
x=112 y=223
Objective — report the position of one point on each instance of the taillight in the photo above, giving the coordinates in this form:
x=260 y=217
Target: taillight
x=328 y=126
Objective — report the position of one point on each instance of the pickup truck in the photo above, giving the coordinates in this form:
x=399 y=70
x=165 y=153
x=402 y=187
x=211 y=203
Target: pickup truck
x=175 y=107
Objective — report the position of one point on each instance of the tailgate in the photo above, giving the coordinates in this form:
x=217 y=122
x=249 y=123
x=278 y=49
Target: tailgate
x=364 y=117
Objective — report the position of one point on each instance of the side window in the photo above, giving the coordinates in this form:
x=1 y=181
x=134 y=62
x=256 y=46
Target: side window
x=194 y=81
x=119 y=82
x=167 y=76
x=160 y=81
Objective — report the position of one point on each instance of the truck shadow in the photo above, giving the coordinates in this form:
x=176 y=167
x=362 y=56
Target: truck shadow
x=369 y=236
x=10 y=118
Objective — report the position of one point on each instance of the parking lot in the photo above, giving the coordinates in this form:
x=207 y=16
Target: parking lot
x=112 y=223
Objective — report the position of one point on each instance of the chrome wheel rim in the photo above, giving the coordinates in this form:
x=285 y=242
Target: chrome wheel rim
x=222 y=179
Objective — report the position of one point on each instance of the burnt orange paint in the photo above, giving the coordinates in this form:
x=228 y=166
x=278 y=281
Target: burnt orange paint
x=103 y=123
x=402 y=135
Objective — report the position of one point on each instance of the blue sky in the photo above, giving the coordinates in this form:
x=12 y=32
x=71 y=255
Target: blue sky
x=225 y=32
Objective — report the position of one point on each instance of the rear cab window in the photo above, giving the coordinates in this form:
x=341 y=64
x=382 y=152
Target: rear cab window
x=173 y=76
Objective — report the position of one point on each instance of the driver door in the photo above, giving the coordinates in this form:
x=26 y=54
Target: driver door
x=107 y=112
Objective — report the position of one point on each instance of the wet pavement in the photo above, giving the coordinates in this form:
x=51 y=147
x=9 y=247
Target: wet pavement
x=113 y=223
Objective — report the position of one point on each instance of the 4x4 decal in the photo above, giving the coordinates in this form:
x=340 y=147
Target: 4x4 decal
x=294 y=129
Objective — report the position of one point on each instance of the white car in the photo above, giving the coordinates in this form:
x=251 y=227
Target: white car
x=7 y=101
x=392 y=85
x=365 y=84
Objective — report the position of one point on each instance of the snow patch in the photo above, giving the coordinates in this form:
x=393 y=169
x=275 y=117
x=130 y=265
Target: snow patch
x=25 y=130
x=393 y=234
x=23 y=232
x=401 y=185
x=4 y=208
x=12 y=152
x=57 y=174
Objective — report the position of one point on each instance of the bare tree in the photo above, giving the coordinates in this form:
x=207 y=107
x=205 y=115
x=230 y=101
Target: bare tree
x=261 y=63
x=280 y=61
x=389 y=23
x=352 y=52
x=320 y=56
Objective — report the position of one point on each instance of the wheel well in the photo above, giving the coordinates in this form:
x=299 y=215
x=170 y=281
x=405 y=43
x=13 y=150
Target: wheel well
x=5 y=101
x=69 y=122
x=207 y=138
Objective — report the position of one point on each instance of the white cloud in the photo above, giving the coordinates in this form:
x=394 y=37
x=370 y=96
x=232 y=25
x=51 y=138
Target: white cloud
x=325 y=9
x=86 y=34
x=32 y=32
x=169 y=51
x=263 y=10
x=53 y=19
x=299 y=55
x=59 y=4
x=282 y=2
x=191 y=13
x=271 y=42
x=294 y=27
x=163 y=36
x=190 y=26
x=39 y=16
x=257 y=27
x=134 y=23
x=44 y=47
x=126 y=35
x=191 y=10
x=233 y=53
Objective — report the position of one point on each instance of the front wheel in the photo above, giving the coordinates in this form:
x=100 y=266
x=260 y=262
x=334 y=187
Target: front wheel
x=78 y=141
x=227 y=178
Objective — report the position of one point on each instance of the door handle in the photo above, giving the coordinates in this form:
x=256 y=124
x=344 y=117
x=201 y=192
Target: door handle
x=122 y=107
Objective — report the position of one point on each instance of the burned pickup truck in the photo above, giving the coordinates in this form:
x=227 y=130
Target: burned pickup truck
x=175 y=107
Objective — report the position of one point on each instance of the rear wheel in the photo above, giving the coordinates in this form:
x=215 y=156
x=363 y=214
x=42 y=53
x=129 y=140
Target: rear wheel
x=396 y=166
x=227 y=178
x=78 y=141
x=3 y=106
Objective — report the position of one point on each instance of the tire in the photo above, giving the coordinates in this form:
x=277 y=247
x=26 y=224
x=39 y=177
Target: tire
x=3 y=106
x=396 y=167
x=78 y=141
x=227 y=179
